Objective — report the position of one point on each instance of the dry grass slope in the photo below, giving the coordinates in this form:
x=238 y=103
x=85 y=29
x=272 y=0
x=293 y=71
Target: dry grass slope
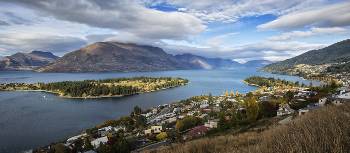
x=326 y=130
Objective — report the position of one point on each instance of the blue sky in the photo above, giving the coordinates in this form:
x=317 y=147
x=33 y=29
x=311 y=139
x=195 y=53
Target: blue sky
x=240 y=30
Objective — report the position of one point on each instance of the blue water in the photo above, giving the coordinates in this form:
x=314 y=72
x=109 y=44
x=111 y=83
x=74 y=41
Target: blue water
x=33 y=119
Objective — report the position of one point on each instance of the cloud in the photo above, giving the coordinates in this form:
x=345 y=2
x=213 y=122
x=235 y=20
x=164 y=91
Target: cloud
x=327 y=16
x=220 y=39
x=231 y=11
x=16 y=42
x=122 y=15
x=3 y=23
x=15 y=19
x=268 y=50
x=309 y=33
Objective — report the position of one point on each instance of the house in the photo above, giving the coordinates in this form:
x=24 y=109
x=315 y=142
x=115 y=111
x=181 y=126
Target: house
x=211 y=124
x=177 y=110
x=96 y=143
x=148 y=131
x=157 y=129
x=303 y=111
x=340 y=99
x=322 y=101
x=171 y=120
x=204 y=106
x=73 y=139
x=105 y=130
x=154 y=130
x=232 y=100
x=216 y=108
x=197 y=131
x=264 y=99
x=284 y=109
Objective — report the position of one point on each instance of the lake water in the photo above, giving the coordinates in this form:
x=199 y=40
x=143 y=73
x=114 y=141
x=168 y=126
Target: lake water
x=33 y=119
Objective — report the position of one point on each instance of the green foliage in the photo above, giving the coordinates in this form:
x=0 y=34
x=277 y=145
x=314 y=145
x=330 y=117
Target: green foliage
x=268 y=82
x=95 y=88
x=252 y=108
x=162 y=136
x=187 y=123
x=116 y=144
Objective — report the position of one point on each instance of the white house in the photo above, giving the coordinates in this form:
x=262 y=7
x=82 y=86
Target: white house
x=157 y=129
x=154 y=129
x=284 y=109
x=72 y=139
x=322 y=101
x=211 y=124
x=96 y=143
x=204 y=106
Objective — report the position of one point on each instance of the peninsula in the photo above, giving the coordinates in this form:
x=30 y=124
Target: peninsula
x=99 y=88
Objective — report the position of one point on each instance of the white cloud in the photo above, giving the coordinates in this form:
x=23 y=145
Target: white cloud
x=25 y=42
x=122 y=15
x=331 y=15
x=231 y=11
x=268 y=50
x=220 y=40
x=309 y=33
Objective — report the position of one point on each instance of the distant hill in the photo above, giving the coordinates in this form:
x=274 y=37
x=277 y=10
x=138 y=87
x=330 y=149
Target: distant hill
x=123 y=57
x=26 y=61
x=206 y=63
x=330 y=54
x=257 y=63
x=115 y=56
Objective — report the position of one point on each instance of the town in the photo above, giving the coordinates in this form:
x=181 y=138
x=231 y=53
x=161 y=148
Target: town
x=204 y=115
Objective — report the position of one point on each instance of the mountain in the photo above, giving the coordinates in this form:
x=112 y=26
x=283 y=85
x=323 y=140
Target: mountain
x=27 y=61
x=200 y=62
x=257 y=63
x=331 y=54
x=115 y=56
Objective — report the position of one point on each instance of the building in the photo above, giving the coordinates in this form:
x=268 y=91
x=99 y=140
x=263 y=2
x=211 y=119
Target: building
x=197 y=131
x=154 y=130
x=73 y=139
x=204 y=106
x=211 y=124
x=284 y=109
x=96 y=143
x=322 y=101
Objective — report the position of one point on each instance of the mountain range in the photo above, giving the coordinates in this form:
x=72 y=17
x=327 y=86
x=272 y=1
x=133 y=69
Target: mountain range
x=26 y=61
x=334 y=54
x=116 y=56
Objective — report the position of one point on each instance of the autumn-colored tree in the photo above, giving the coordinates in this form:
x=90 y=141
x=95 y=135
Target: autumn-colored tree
x=252 y=108
x=162 y=136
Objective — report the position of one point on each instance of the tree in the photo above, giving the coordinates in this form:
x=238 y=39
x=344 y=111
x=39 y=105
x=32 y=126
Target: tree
x=210 y=99
x=137 y=111
x=187 y=123
x=162 y=136
x=252 y=108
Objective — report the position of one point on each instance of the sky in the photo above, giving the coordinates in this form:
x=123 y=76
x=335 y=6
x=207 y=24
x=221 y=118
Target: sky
x=241 y=30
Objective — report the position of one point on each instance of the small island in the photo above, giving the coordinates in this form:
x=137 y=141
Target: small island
x=259 y=81
x=99 y=88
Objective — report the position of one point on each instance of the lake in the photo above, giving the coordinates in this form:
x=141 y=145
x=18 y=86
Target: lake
x=33 y=119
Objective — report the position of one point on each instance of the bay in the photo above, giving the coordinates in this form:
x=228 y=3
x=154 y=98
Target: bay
x=32 y=119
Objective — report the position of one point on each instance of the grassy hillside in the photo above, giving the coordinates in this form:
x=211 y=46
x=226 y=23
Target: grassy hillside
x=328 y=54
x=323 y=130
